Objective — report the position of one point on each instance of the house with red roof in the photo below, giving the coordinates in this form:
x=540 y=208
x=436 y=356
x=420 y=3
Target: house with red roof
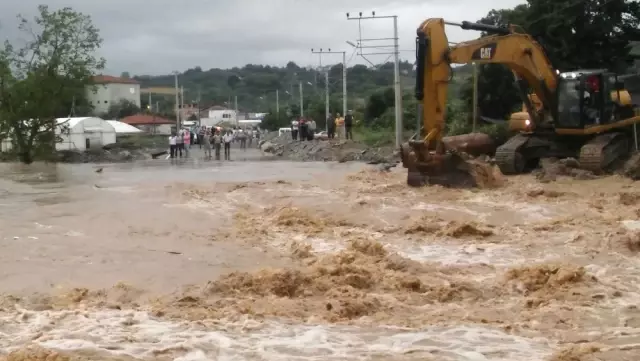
x=150 y=123
x=108 y=90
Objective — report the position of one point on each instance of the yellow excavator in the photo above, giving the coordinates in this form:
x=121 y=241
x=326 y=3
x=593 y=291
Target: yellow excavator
x=586 y=114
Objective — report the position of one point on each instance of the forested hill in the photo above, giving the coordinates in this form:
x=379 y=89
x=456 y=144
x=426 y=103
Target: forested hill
x=252 y=82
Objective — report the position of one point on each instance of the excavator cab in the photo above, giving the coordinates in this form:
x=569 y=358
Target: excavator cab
x=581 y=101
x=588 y=98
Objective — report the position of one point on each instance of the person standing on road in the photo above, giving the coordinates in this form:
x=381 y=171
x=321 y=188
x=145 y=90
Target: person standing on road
x=331 y=126
x=180 y=141
x=348 y=125
x=303 y=127
x=294 y=129
x=172 y=145
x=217 y=143
x=201 y=133
x=242 y=135
x=227 y=139
x=312 y=129
x=339 y=126
x=206 y=141
x=186 y=141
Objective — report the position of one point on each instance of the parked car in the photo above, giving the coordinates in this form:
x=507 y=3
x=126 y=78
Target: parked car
x=323 y=135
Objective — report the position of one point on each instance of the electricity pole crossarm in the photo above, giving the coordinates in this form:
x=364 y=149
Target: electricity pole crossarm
x=396 y=67
x=344 y=75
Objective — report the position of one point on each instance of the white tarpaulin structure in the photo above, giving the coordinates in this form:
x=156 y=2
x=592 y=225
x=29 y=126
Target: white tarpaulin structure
x=79 y=133
x=123 y=128
x=84 y=133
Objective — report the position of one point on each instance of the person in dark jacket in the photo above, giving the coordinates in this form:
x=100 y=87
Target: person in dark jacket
x=304 y=127
x=348 y=125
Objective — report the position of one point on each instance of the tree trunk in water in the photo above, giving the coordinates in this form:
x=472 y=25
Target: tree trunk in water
x=25 y=157
x=473 y=143
x=25 y=153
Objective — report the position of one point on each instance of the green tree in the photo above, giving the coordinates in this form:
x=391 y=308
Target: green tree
x=122 y=109
x=575 y=35
x=497 y=93
x=272 y=121
x=585 y=34
x=40 y=79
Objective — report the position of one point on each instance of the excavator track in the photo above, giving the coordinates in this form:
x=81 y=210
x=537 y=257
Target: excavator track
x=508 y=156
x=602 y=150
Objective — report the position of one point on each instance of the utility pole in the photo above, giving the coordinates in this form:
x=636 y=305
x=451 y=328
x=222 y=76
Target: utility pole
x=278 y=104
x=326 y=102
x=344 y=74
x=177 y=102
x=396 y=67
x=235 y=102
x=181 y=97
x=301 y=100
x=149 y=108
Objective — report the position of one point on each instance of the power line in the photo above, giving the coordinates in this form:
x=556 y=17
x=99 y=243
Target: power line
x=396 y=67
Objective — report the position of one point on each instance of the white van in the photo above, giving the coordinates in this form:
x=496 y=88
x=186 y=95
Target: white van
x=283 y=130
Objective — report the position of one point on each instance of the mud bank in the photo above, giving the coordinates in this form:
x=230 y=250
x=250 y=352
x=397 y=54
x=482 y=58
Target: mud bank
x=326 y=150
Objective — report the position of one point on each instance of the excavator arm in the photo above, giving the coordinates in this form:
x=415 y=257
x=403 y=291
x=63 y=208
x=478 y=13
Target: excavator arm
x=523 y=55
x=519 y=52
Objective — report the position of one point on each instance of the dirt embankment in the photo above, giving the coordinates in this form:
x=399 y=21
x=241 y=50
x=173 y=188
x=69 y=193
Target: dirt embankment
x=339 y=150
x=125 y=150
x=112 y=155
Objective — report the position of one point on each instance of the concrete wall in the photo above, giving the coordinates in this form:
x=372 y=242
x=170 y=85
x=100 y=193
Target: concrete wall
x=101 y=96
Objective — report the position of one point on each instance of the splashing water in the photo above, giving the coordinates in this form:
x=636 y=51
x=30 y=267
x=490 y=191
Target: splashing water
x=139 y=335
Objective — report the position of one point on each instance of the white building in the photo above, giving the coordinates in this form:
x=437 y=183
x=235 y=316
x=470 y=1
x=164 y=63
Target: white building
x=110 y=90
x=217 y=114
x=84 y=133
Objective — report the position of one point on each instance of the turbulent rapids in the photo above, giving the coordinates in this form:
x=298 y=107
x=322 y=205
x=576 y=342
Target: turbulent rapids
x=332 y=262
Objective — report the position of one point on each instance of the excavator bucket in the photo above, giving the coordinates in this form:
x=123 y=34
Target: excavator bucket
x=452 y=168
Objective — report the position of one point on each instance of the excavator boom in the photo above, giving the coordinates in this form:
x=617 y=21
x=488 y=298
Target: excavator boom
x=428 y=160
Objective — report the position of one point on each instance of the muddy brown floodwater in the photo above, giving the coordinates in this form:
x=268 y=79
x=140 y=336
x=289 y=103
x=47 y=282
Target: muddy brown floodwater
x=313 y=261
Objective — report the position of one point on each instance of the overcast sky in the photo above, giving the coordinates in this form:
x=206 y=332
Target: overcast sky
x=160 y=36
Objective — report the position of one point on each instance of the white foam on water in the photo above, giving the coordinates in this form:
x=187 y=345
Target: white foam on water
x=528 y=211
x=631 y=224
x=480 y=253
x=441 y=207
x=138 y=334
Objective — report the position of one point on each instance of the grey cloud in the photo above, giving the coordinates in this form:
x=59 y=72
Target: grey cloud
x=159 y=36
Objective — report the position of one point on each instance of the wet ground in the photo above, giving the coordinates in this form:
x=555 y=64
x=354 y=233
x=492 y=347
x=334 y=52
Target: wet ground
x=249 y=260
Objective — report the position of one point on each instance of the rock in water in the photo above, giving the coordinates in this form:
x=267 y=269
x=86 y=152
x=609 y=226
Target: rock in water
x=632 y=167
x=267 y=147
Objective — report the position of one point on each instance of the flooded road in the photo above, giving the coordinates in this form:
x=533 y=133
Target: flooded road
x=312 y=261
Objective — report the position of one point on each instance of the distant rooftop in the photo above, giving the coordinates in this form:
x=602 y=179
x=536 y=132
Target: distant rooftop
x=146 y=119
x=108 y=79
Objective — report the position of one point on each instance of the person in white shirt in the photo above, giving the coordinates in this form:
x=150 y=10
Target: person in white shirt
x=227 y=139
x=173 y=141
x=294 y=129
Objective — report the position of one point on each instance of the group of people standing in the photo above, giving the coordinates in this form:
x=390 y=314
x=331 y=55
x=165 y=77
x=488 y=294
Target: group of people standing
x=343 y=126
x=303 y=128
x=180 y=142
x=212 y=139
